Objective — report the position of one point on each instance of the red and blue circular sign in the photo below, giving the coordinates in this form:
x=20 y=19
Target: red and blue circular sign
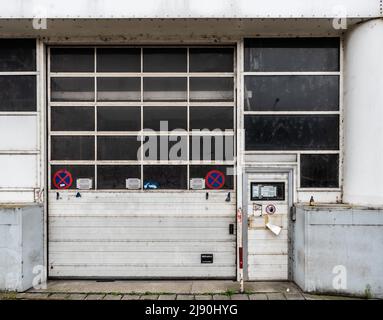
x=215 y=179
x=62 y=179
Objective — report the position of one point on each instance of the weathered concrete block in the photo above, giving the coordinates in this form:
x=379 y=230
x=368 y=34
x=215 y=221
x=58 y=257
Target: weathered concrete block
x=338 y=249
x=21 y=246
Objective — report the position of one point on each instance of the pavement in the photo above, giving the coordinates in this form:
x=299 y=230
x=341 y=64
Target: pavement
x=165 y=290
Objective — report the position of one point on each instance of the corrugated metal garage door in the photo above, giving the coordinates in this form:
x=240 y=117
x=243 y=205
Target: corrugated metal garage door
x=104 y=105
x=136 y=235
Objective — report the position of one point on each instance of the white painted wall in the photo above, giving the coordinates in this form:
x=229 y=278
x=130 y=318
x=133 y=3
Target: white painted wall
x=19 y=157
x=363 y=159
x=188 y=8
x=18 y=171
x=18 y=133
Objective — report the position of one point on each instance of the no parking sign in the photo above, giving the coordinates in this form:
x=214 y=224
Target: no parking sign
x=62 y=179
x=215 y=179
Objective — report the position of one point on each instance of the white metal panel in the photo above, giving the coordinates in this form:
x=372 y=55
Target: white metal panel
x=187 y=8
x=141 y=234
x=18 y=133
x=19 y=196
x=18 y=171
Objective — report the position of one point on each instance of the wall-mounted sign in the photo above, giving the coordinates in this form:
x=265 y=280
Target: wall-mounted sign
x=267 y=191
x=207 y=258
x=270 y=209
x=62 y=179
x=215 y=179
x=84 y=184
x=133 y=183
x=197 y=183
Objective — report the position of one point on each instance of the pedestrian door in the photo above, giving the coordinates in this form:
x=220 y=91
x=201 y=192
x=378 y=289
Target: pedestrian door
x=267 y=207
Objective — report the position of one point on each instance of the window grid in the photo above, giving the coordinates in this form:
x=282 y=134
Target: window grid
x=34 y=73
x=142 y=75
x=338 y=112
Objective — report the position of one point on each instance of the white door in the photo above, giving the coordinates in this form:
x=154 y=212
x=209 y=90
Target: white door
x=267 y=207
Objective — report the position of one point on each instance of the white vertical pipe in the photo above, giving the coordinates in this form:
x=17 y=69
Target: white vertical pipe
x=363 y=114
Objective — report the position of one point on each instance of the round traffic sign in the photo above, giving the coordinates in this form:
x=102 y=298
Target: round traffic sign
x=270 y=209
x=62 y=179
x=215 y=179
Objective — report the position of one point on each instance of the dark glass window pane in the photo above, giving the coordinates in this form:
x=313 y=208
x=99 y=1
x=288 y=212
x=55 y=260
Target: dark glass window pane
x=211 y=118
x=72 y=60
x=165 y=89
x=17 y=93
x=292 y=132
x=17 y=54
x=165 y=147
x=165 y=60
x=118 y=89
x=72 y=89
x=118 y=60
x=72 y=118
x=114 y=177
x=291 y=93
x=319 y=170
x=77 y=172
x=117 y=147
x=165 y=177
x=211 y=148
x=292 y=54
x=211 y=60
x=72 y=148
x=197 y=171
x=212 y=89
x=171 y=117
x=115 y=118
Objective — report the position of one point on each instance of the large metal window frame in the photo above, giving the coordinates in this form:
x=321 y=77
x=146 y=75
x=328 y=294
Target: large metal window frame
x=34 y=73
x=299 y=152
x=142 y=104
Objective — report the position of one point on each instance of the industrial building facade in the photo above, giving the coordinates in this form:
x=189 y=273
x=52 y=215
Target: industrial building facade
x=177 y=141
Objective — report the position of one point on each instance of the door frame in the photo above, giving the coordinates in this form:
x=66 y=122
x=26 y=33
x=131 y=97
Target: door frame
x=290 y=176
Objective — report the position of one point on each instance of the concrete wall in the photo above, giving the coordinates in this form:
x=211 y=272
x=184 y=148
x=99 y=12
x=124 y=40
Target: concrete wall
x=188 y=8
x=338 y=249
x=21 y=246
x=363 y=105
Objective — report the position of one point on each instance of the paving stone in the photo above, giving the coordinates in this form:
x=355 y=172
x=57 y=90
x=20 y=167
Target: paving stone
x=32 y=296
x=76 y=296
x=149 y=297
x=294 y=296
x=8 y=295
x=131 y=297
x=276 y=296
x=239 y=297
x=94 y=296
x=220 y=297
x=185 y=297
x=167 y=297
x=113 y=297
x=203 y=297
x=58 y=296
x=311 y=297
x=271 y=287
x=258 y=296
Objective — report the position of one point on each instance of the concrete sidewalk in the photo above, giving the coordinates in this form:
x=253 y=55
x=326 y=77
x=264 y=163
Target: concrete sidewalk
x=166 y=290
